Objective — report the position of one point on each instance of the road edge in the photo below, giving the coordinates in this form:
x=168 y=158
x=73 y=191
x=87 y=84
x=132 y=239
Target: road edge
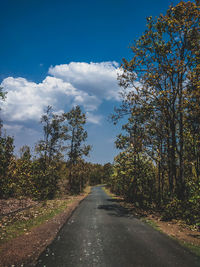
x=37 y=239
x=194 y=249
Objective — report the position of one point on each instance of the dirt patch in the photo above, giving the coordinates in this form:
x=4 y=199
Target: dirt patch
x=25 y=249
x=177 y=229
x=8 y=206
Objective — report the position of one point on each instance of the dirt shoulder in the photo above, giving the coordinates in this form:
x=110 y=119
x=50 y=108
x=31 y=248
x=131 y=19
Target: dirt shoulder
x=177 y=229
x=24 y=249
x=185 y=234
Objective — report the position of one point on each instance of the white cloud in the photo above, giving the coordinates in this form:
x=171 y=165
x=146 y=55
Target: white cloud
x=13 y=128
x=20 y=129
x=76 y=83
x=26 y=100
x=99 y=79
x=96 y=119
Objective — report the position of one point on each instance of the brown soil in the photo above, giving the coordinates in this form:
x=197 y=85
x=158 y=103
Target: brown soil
x=25 y=249
x=178 y=230
x=8 y=206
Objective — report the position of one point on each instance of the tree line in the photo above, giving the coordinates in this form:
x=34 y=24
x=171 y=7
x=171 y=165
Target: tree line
x=159 y=165
x=57 y=166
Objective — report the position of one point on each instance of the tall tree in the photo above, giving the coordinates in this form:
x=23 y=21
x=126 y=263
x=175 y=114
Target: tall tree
x=50 y=146
x=46 y=168
x=75 y=135
x=163 y=70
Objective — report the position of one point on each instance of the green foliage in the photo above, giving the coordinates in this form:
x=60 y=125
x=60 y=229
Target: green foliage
x=45 y=169
x=22 y=178
x=50 y=146
x=107 y=172
x=6 y=161
x=44 y=176
x=45 y=180
x=133 y=178
x=161 y=100
x=96 y=174
x=100 y=174
x=74 y=135
x=14 y=225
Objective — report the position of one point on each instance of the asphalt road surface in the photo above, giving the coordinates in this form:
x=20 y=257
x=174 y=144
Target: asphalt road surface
x=101 y=233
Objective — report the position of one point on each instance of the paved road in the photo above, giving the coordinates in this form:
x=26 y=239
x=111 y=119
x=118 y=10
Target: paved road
x=101 y=233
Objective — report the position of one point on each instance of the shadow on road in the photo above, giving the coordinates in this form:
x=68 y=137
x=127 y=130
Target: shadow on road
x=115 y=210
x=113 y=200
x=119 y=211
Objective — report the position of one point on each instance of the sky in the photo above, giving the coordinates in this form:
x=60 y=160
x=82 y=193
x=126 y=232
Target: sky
x=65 y=53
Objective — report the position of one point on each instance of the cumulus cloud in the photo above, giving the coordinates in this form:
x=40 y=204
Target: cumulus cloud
x=99 y=79
x=13 y=128
x=76 y=83
x=27 y=100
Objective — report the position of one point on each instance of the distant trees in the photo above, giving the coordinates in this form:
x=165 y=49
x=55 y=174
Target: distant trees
x=161 y=99
x=62 y=134
x=59 y=156
x=6 y=160
x=99 y=173
x=6 y=157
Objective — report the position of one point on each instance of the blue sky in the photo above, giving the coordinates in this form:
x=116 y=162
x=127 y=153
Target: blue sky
x=63 y=53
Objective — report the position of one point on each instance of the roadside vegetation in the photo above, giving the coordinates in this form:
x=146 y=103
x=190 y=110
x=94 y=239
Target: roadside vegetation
x=158 y=167
x=21 y=222
x=36 y=186
x=57 y=159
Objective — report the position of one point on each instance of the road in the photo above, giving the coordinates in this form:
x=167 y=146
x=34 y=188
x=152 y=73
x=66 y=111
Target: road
x=101 y=233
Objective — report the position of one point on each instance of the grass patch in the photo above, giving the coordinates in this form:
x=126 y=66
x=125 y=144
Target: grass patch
x=152 y=224
x=108 y=192
x=14 y=225
x=20 y=223
x=193 y=248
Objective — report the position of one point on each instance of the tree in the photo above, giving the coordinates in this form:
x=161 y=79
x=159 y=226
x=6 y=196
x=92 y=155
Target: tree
x=46 y=168
x=107 y=172
x=133 y=178
x=25 y=153
x=22 y=176
x=50 y=146
x=6 y=159
x=161 y=77
x=75 y=136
